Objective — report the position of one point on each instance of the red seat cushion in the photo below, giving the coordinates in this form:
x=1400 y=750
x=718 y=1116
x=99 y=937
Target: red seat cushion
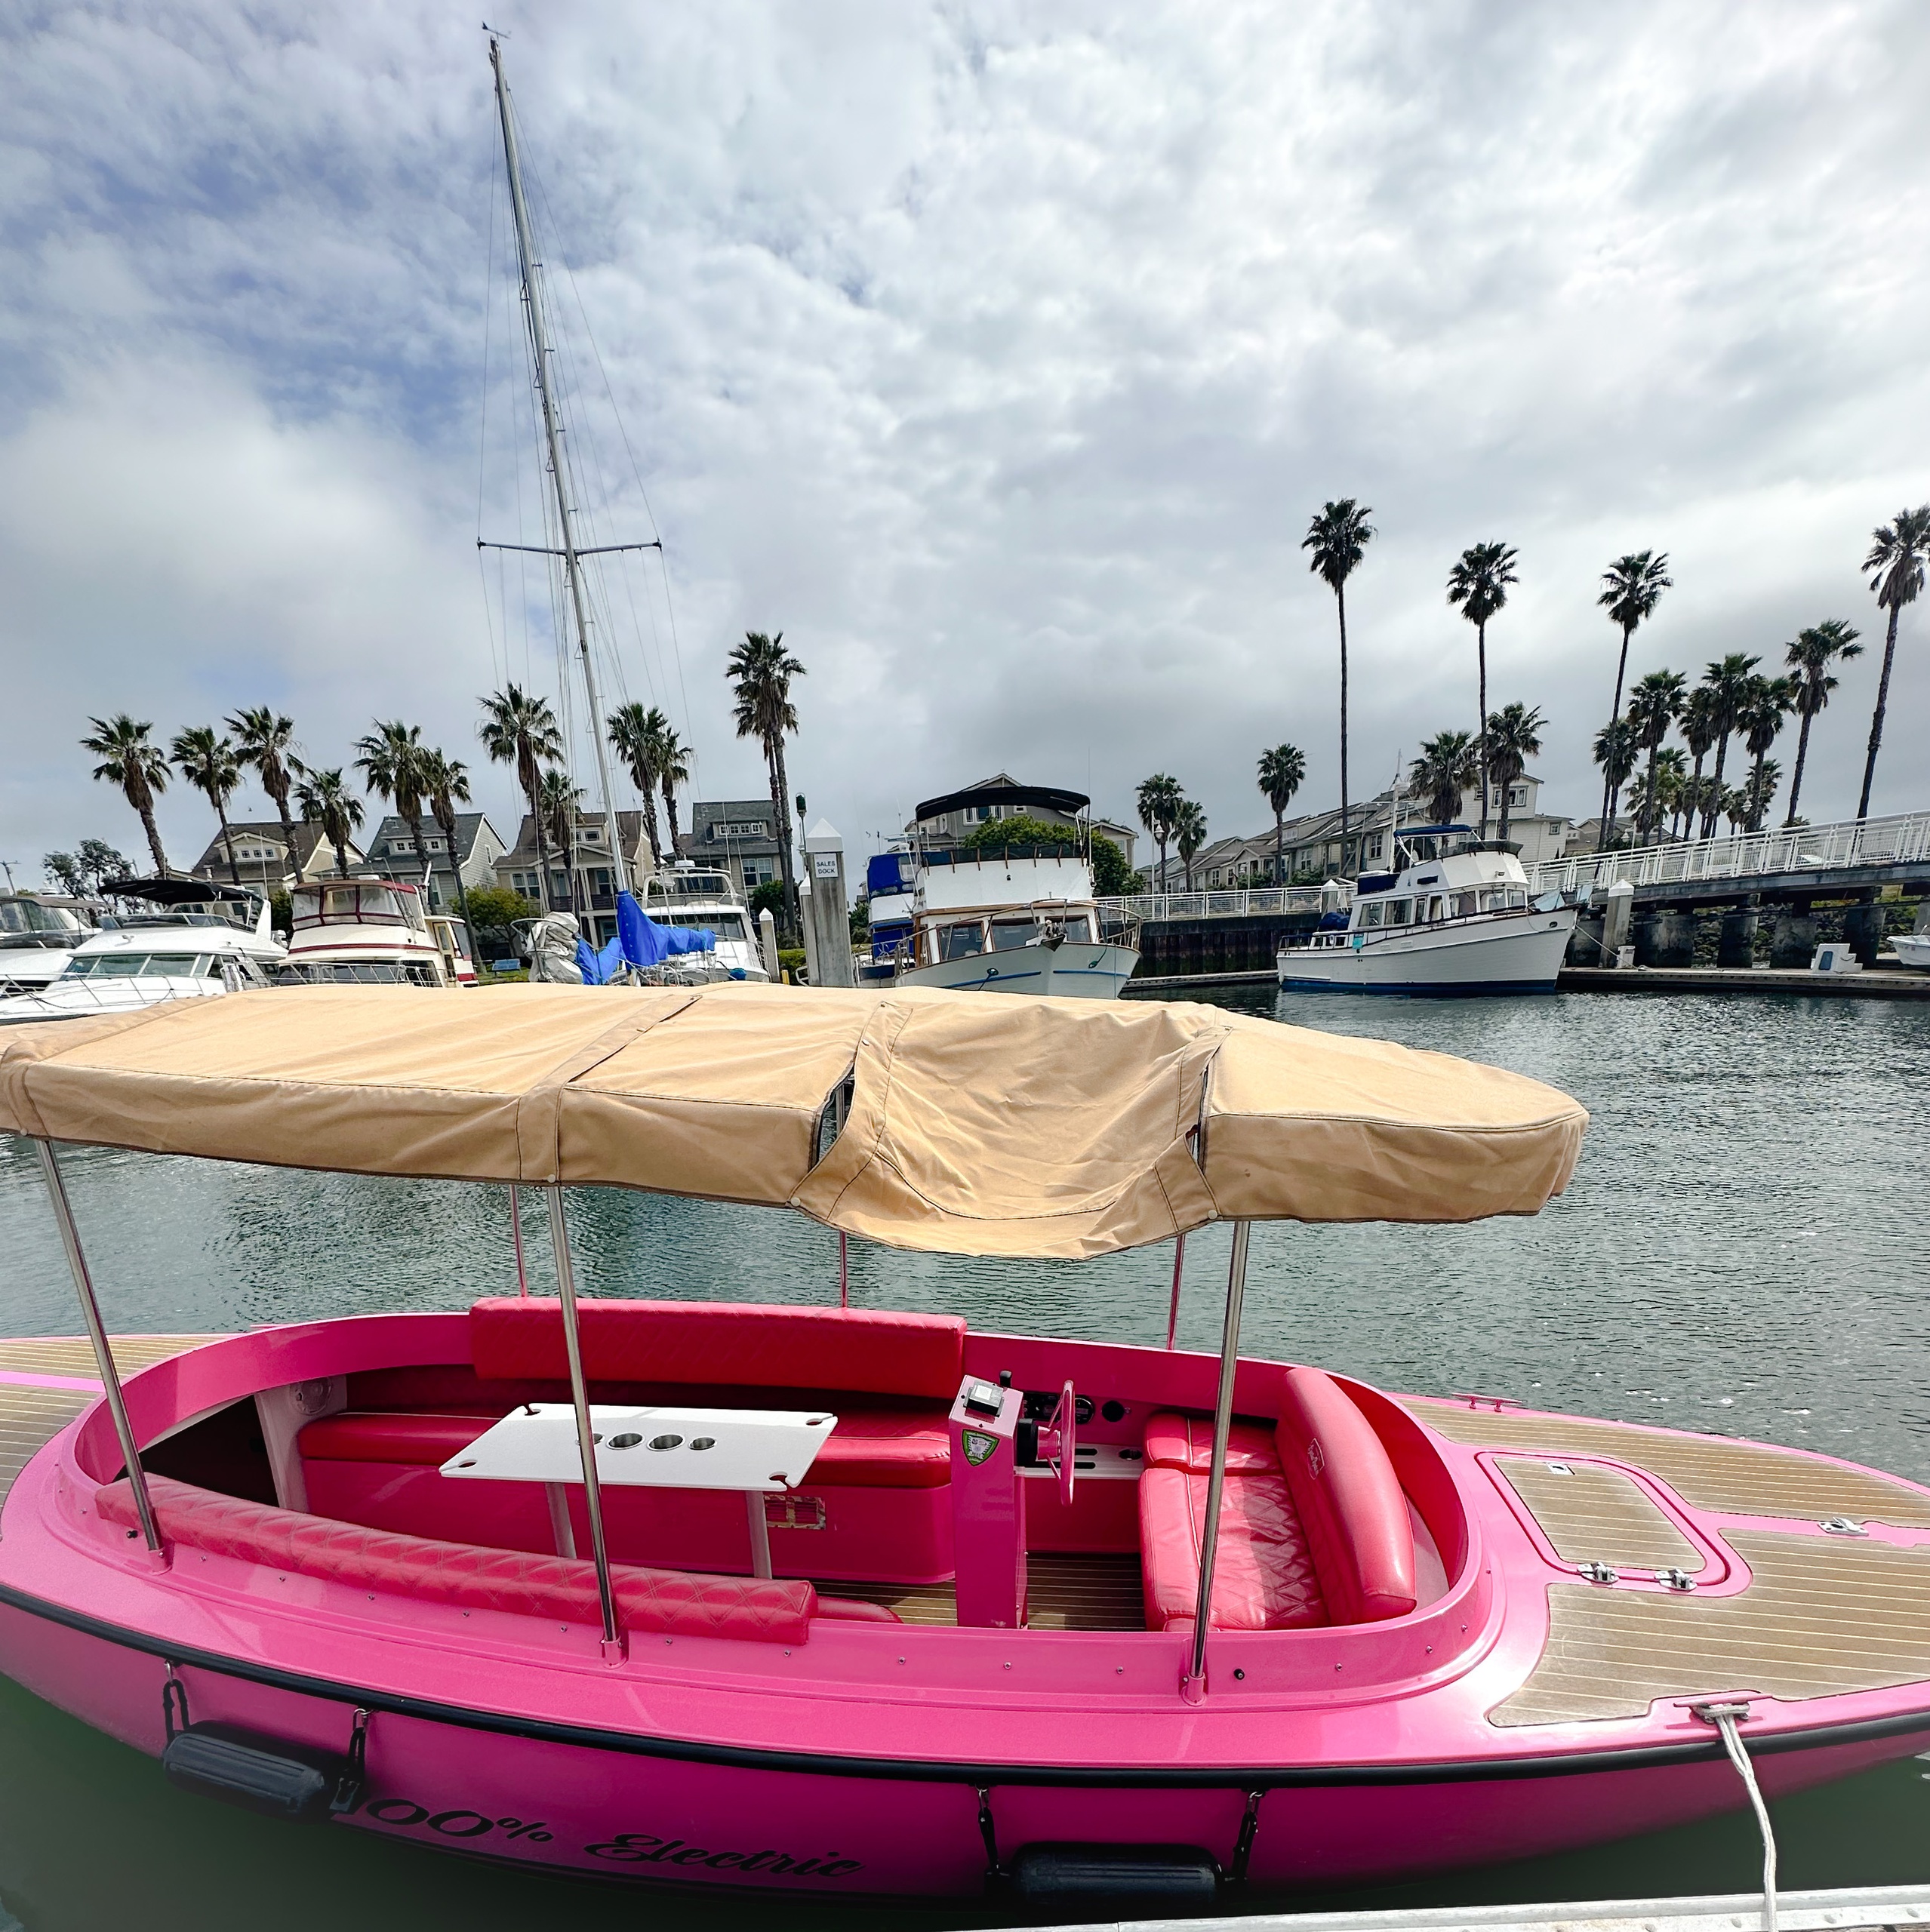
x=855 y=1609
x=1263 y=1576
x=1176 y=1442
x=873 y=1449
x=678 y=1602
x=713 y=1341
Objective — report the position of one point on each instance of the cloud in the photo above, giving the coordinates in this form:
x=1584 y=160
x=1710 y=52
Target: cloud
x=995 y=354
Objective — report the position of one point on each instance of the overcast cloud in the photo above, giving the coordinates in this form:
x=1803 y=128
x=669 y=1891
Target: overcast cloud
x=995 y=354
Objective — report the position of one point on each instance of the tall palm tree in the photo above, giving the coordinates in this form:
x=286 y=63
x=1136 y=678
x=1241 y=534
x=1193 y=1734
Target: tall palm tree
x=518 y=728
x=1759 y=717
x=209 y=764
x=1898 y=552
x=557 y=803
x=1809 y=658
x=130 y=761
x=1158 y=799
x=445 y=785
x=1756 y=792
x=262 y=736
x=1615 y=752
x=1728 y=681
x=1448 y=766
x=1512 y=737
x=394 y=760
x=636 y=736
x=1631 y=587
x=1189 y=834
x=1698 y=720
x=673 y=757
x=325 y=800
x=1283 y=772
x=1479 y=584
x=1662 y=789
x=1653 y=706
x=761 y=669
x=1338 y=536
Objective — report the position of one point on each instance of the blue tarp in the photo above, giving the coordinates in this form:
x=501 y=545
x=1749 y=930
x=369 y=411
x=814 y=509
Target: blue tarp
x=640 y=941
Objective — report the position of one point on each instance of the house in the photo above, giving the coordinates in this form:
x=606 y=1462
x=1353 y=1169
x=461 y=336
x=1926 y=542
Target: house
x=1541 y=835
x=738 y=836
x=264 y=860
x=956 y=816
x=585 y=885
x=479 y=849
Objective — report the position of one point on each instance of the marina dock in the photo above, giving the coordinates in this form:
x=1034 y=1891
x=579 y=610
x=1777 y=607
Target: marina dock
x=1877 y=985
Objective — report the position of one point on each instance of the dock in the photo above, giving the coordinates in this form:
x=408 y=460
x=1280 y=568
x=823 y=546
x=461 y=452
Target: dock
x=1154 y=984
x=1876 y=985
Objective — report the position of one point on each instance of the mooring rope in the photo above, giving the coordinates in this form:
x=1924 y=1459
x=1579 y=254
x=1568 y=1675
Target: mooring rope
x=1724 y=1718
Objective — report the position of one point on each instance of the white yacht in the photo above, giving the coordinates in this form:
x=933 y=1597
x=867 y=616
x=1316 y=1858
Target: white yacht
x=1911 y=949
x=1454 y=917
x=699 y=899
x=203 y=944
x=372 y=931
x=35 y=940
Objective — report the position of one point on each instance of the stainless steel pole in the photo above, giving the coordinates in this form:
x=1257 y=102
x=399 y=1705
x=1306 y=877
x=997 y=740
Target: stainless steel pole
x=110 y=1378
x=1179 y=1269
x=1193 y=1685
x=593 y=1491
x=517 y=1235
x=553 y=432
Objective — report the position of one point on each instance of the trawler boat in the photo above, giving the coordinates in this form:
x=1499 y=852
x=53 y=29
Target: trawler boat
x=203 y=944
x=696 y=898
x=372 y=931
x=35 y=940
x=1455 y=916
x=802 y=1598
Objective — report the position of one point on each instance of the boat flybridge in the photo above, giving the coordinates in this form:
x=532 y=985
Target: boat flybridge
x=35 y=940
x=811 y=1598
x=1453 y=915
x=373 y=932
x=695 y=898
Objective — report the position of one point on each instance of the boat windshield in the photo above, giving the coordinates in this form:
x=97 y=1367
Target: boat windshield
x=355 y=905
x=28 y=915
x=688 y=885
x=725 y=925
x=1008 y=935
x=960 y=942
x=141 y=965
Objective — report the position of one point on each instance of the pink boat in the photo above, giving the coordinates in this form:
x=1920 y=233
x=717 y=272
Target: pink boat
x=821 y=1600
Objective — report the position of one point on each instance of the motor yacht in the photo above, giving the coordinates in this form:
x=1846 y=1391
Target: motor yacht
x=35 y=940
x=1454 y=916
x=370 y=931
x=697 y=899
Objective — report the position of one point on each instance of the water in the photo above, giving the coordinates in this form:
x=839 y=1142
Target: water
x=1740 y=1251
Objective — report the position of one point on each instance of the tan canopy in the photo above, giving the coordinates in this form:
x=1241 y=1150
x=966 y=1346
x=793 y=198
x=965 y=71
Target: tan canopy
x=978 y=1123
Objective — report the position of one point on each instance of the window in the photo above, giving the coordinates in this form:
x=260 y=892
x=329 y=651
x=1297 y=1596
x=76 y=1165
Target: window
x=1517 y=797
x=1372 y=914
x=1401 y=912
x=961 y=942
x=599 y=878
x=1374 y=847
x=1009 y=935
x=399 y=847
x=435 y=845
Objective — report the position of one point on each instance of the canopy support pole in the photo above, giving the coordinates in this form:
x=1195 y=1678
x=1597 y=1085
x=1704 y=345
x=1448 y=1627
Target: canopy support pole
x=593 y=1489
x=517 y=1235
x=844 y=1269
x=110 y=1378
x=1179 y=1268
x=1192 y=1686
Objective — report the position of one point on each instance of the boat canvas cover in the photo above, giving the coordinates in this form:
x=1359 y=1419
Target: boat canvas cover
x=1014 y=1126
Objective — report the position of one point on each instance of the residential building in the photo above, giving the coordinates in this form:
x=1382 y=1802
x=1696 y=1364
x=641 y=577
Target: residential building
x=960 y=814
x=264 y=860
x=479 y=850
x=738 y=836
x=586 y=884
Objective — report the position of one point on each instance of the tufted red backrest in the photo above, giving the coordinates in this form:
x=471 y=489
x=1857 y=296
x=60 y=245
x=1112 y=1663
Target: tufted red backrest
x=1349 y=1499
x=747 y=1344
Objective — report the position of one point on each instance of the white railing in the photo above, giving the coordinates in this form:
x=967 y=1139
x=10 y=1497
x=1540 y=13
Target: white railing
x=1213 y=905
x=1902 y=840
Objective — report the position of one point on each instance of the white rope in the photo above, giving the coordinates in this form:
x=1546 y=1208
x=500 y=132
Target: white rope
x=1723 y=1717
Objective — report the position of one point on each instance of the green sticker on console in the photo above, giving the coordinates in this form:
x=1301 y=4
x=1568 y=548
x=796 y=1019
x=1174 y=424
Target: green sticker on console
x=978 y=1448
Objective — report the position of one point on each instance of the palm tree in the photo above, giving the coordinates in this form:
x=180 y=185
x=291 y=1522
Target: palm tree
x=1653 y=706
x=1809 y=658
x=209 y=764
x=325 y=800
x=130 y=761
x=519 y=728
x=1158 y=799
x=1190 y=833
x=1698 y=720
x=557 y=803
x=261 y=737
x=1898 y=552
x=1755 y=793
x=761 y=670
x=1759 y=717
x=1615 y=752
x=445 y=785
x=1512 y=737
x=1631 y=587
x=673 y=757
x=1729 y=682
x=394 y=760
x=1446 y=766
x=1478 y=583
x=1662 y=790
x=1283 y=772
x=1337 y=536
x=636 y=735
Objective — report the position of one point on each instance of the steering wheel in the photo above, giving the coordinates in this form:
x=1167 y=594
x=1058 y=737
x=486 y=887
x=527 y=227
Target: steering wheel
x=1065 y=1419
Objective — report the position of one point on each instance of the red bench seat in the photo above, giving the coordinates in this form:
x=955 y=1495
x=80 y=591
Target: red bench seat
x=674 y=1603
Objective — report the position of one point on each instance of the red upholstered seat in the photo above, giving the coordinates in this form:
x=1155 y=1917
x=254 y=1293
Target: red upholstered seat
x=677 y=1603
x=360 y=1437
x=1176 y=1442
x=1263 y=1575
x=755 y=1346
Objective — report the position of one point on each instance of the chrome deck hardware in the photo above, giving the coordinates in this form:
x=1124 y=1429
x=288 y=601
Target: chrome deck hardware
x=1597 y=1573
x=1842 y=1526
x=1676 y=1579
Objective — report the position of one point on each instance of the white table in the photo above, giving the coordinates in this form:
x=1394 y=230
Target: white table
x=760 y=1452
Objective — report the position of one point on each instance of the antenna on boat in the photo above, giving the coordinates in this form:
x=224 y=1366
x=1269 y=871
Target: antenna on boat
x=553 y=431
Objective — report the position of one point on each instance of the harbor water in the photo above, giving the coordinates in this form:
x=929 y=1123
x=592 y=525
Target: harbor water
x=1740 y=1251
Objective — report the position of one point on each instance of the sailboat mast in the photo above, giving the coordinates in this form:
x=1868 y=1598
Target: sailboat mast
x=539 y=350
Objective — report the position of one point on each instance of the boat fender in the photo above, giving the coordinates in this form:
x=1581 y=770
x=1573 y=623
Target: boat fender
x=1176 y=1875
x=259 y=1774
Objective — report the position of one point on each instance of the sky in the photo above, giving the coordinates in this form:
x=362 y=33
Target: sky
x=996 y=354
